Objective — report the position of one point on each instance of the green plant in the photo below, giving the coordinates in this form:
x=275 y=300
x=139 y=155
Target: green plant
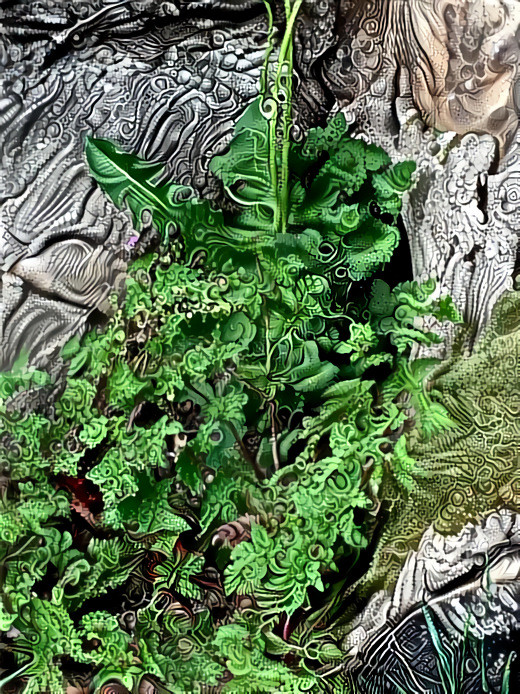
x=451 y=658
x=218 y=446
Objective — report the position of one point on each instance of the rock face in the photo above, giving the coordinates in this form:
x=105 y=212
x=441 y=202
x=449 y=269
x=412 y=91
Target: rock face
x=430 y=80
x=164 y=81
x=465 y=584
x=168 y=80
x=437 y=82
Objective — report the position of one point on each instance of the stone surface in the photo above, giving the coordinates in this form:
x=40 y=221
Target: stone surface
x=468 y=584
x=165 y=81
x=168 y=80
x=437 y=82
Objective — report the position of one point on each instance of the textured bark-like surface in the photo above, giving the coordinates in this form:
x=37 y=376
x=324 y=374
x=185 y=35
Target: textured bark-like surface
x=467 y=584
x=168 y=81
x=436 y=82
x=165 y=81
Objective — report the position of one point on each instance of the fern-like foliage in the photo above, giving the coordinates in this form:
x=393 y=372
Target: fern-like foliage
x=216 y=449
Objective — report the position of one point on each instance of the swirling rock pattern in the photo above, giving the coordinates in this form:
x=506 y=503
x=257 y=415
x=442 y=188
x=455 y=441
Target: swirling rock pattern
x=437 y=82
x=167 y=81
x=470 y=583
x=164 y=81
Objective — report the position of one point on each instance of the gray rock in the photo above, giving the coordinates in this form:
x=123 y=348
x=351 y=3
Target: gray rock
x=166 y=82
x=468 y=586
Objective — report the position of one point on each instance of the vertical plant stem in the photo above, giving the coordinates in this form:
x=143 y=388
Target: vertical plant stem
x=264 y=78
x=270 y=103
x=281 y=119
x=286 y=58
x=277 y=94
x=274 y=443
x=507 y=673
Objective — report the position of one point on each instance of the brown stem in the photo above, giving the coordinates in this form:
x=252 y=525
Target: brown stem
x=259 y=471
x=274 y=447
x=286 y=632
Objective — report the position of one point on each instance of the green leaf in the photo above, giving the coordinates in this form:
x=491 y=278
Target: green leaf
x=130 y=181
x=243 y=168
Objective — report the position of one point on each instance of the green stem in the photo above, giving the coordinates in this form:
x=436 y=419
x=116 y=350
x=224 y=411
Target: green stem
x=279 y=145
x=274 y=441
x=270 y=45
x=265 y=92
x=18 y=673
x=286 y=57
x=280 y=122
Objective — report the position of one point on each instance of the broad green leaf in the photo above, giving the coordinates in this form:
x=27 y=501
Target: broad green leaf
x=132 y=182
